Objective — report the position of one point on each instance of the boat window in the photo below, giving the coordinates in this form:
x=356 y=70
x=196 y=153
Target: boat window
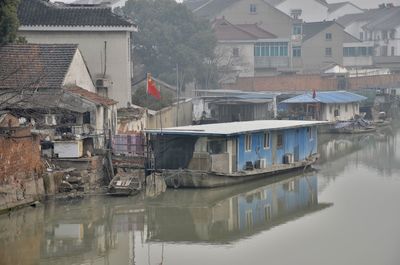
x=309 y=133
x=248 y=142
x=217 y=146
x=280 y=140
x=266 y=140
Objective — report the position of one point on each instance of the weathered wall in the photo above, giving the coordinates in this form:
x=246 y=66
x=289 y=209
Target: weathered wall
x=20 y=169
x=301 y=83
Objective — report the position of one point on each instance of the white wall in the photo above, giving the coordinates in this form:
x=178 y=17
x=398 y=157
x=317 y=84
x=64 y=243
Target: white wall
x=355 y=29
x=78 y=74
x=328 y=112
x=243 y=64
x=344 y=10
x=312 y=10
x=91 y=45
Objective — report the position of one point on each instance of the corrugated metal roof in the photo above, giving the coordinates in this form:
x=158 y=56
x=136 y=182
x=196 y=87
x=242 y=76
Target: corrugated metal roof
x=326 y=97
x=234 y=128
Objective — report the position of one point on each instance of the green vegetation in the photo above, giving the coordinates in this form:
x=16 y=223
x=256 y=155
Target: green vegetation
x=170 y=35
x=141 y=98
x=8 y=21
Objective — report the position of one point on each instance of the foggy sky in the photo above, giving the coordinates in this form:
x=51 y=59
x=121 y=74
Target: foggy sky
x=360 y=3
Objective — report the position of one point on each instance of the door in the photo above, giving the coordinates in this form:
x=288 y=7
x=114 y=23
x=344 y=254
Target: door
x=296 y=150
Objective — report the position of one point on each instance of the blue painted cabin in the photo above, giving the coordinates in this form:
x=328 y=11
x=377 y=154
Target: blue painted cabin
x=235 y=147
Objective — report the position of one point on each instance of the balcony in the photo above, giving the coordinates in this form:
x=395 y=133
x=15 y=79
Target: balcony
x=271 y=62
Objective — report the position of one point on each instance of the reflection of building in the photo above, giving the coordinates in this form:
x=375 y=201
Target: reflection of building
x=228 y=214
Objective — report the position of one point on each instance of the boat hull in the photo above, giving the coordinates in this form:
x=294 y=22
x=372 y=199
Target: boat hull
x=203 y=179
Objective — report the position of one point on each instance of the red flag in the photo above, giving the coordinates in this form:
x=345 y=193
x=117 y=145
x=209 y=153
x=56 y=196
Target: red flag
x=314 y=94
x=151 y=88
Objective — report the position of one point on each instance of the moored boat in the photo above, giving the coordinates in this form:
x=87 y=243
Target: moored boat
x=213 y=155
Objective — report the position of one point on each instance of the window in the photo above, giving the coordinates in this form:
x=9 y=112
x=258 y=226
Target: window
x=249 y=218
x=392 y=53
x=269 y=49
x=297 y=29
x=217 y=146
x=253 y=9
x=266 y=140
x=357 y=51
x=309 y=133
x=330 y=109
x=328 y=52
x=267 y=212
x=86 y=117
x=336 y=113
x=328 y=36
x=345 y=107
x=279 y=140
x=361 y=35
x=235 y=52
x=248 y=142
x=296 y=51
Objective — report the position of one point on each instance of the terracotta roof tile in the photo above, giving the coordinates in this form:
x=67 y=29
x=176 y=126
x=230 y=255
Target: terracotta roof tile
x=93 y=97
x=35 y=65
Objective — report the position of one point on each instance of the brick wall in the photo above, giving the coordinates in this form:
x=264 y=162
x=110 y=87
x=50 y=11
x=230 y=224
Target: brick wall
x=19 y=156
x=300 y=83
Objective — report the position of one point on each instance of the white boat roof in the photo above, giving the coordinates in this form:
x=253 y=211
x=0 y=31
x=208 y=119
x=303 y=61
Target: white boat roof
x=234 y=128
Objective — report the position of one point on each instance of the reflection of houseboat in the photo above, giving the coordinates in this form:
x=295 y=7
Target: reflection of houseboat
x=221 y=154
x=223 y=215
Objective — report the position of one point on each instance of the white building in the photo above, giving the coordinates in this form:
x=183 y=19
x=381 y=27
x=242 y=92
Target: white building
x=103 y=38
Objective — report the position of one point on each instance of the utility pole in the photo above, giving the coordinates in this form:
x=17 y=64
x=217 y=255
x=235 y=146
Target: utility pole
x=177 y=95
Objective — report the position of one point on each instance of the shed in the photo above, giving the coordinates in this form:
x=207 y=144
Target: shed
x=327 y=106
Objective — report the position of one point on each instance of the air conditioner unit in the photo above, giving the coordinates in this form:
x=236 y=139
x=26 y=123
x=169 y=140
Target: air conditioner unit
x=263 y=163
x=50 y=119
x=103 y=82
x=288 y=158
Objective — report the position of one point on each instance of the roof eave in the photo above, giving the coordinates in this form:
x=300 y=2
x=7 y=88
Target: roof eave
x=132 y=28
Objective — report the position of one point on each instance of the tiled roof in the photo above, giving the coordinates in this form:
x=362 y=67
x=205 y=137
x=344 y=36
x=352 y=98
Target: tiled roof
x=226 y=31
x=313 y=28
x=390 y=21
x=209 y=8
x=44 y=13
x=368 y=16
x=326 y=97
x=334 y=6
x=93 y=97
x=35 y=65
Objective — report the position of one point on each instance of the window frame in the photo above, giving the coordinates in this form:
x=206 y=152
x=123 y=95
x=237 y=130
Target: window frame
x=235 y=52
x=279 y=140
x=248 y=142
x=296 y=51
x=328 y=54
x=328 y=34
x=253 y=9
x=267 y=144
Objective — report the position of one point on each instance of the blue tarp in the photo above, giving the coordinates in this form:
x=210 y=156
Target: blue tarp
x=326 y=97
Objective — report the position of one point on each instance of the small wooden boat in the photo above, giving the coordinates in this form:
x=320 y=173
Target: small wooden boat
x=124 y=184
x=353 y=127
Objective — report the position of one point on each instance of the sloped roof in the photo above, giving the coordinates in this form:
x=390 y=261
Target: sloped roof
x=369 y=15
x=326 y=97
x=211 y=8
x=93 y=97
x=234 y=128
x=313 y=28
x=334 y=6
x=390 y=21
x=31 y=66
x=274 y=2
x=226 y=31
x=44 y=13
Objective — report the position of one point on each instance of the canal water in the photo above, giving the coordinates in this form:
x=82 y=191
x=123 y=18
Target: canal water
x=346 y=212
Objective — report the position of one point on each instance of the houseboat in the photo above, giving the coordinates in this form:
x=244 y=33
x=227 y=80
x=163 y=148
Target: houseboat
x=213 y=155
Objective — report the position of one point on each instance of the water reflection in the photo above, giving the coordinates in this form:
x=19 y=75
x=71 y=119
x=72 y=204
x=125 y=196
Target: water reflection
x=224 y=215
x=106 y=231
x=377 y=150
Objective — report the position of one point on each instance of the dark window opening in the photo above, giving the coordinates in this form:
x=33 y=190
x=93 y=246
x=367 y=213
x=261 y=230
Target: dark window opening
x=280 y=140
x=86 y=117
